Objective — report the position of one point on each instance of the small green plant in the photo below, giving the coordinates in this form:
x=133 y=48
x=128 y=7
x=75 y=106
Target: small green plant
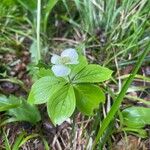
x=20 y=140
x=71 y=83
x=135 y=119
x=18 y=110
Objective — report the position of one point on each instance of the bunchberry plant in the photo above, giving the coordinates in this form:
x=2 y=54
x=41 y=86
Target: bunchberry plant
x=70 y=83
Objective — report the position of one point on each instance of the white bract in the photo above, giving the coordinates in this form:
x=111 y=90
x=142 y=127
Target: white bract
x=60 y=63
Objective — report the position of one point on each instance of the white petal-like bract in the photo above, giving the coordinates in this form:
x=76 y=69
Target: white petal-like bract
x=72 y=54
x=55 y=59
x=61 y=70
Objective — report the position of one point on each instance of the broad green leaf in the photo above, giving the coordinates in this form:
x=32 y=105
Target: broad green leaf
x=136 y=117
x=43 y=88
x=93 y=73
x=88 y=97
x=8 y=103
x=61 y=105
x=25 y=112
x=45 y=72
x=75 y=69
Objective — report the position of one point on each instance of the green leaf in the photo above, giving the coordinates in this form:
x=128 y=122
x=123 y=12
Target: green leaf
x=25 y=112
x=43 y=88
x=44 y=72
x=18 y=141
x=6 y=121
x=61 y=105
x=6 y=141
x=48 y=8
x=21 y=140
x=33 y=51
x=136 y=117
x=46 y=145
x=75 y=69
x=88 y=97
x=92 y=74
x=33 y=135
x=142 y=133
x=30 y=5
x=8 y=103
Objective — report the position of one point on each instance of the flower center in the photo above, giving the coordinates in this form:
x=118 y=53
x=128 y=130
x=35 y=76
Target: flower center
x=65 y=60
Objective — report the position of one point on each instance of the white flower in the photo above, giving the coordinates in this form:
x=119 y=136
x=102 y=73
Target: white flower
x=68 y=56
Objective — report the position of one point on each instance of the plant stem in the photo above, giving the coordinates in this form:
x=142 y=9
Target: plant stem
x=119 y=98
x=38 y=30
x=69 y=79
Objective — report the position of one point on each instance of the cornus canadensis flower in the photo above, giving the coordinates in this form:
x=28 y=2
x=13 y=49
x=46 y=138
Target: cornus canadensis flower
x=60 y=63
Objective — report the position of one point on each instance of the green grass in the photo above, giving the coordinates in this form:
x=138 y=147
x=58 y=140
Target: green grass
x=124 y=24
x=120 y=97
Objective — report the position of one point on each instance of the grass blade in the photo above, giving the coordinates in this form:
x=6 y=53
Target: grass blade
x=18 y=141
x=119 y=98
x=48 y=9
x=38 y=30
x=6 y=142
x=27 y=138
x=45 y=144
